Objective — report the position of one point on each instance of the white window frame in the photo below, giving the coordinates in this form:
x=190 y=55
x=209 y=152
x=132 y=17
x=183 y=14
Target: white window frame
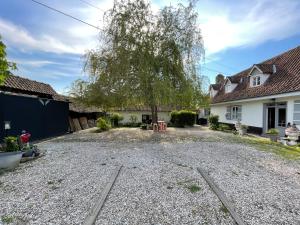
x=256 y=81
x=234 y=112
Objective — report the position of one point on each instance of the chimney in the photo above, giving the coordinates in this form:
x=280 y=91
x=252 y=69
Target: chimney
x=274 y=68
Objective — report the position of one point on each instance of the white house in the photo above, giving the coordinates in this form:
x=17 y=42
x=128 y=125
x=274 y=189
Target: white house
x=143 y=115
x=264 y=96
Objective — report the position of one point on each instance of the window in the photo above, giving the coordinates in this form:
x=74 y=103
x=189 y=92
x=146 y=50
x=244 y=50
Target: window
x=256 y=81
x=234 y=112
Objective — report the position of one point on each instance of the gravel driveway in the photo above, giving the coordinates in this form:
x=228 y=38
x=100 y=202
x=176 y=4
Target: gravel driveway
x=159 y=183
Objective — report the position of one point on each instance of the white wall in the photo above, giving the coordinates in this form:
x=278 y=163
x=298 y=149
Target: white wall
x=252 y=111
x=165 y=116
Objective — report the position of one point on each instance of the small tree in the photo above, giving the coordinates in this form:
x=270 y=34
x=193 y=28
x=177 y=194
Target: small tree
x=5 y=66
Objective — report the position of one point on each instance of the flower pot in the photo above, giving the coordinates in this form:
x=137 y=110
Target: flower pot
x=28 y=153
x=10 y=160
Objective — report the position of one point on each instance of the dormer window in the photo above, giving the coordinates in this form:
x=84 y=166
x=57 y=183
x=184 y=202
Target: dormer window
x=256 y=81
x=260 y=73
x=227 y=88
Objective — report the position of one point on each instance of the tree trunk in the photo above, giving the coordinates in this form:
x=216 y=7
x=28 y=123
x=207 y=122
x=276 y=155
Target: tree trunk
x=154 y=113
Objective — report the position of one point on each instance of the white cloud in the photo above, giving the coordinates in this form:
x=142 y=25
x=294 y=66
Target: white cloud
x=254 y=24
x=34 y=63
x=21 y=38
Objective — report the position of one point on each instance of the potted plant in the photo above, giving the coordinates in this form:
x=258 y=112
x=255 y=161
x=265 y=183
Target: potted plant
x=10 y=155
x=273 y=134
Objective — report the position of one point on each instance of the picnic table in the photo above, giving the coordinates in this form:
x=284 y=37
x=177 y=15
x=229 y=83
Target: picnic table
x=160 y=126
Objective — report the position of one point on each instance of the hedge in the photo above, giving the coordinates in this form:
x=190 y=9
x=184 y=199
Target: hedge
x=183 y=118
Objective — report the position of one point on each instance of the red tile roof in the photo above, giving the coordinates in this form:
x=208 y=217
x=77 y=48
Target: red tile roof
x=285 y=79
x=23 y=85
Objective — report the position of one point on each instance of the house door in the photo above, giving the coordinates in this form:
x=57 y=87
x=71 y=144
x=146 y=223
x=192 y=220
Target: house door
x=271 y=117
x=276 y=117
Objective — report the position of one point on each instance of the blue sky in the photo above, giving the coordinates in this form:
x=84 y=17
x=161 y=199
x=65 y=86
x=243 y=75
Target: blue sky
x=49 y=47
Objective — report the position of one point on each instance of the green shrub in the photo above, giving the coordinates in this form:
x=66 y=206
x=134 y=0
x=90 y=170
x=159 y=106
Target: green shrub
x=213 y=122
x=133 y=120
x=144 y=126
x=130 y=124
x=183 y=118
x=11 y=144
x=224 y=127
x=115 y=119
x=103 y=124
x=273 y=131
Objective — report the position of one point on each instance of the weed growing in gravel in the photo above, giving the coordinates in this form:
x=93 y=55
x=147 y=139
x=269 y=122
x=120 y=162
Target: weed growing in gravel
x=50 y=182
x=224 y=209
x=7 y=219
x=194 y=188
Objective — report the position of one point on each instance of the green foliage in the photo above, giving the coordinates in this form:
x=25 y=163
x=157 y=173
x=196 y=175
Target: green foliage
x=7 y=219
x=11 y=144
x=273 y=131
x=224 y=127
x=115 y=119
x=103 y=124
x=130 y=124
x=213 y=121
x=183 y=118
x=194 y=188
x=144 y=126
x=133 y=119
x=147 y=60
x=5 y=66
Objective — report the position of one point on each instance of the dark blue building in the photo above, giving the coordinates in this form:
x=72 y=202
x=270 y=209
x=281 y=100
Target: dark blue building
x=32 y=106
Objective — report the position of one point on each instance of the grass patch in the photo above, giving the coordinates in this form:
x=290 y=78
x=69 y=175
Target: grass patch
x=7 y=219
x=224 y=209
x=194 y=188
x=264 y=144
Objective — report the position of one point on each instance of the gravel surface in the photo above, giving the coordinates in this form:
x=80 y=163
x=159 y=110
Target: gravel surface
x=159 y=183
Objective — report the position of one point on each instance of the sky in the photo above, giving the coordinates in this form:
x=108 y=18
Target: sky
x=50 y=47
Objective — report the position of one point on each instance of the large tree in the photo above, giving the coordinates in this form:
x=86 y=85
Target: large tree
x=145 y=59
x=5 y=66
